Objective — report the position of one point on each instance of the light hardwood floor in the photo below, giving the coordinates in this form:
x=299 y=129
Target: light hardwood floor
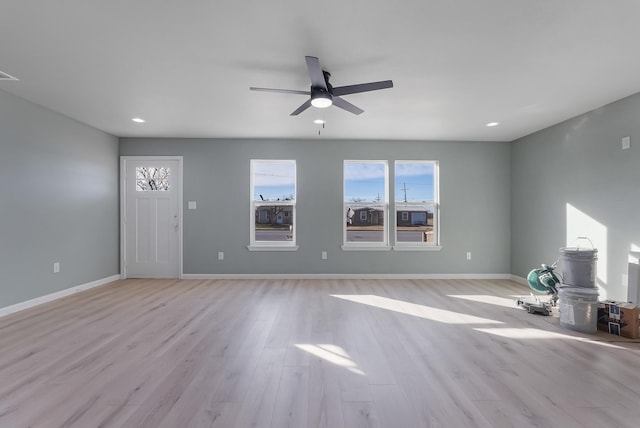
x=308 y=353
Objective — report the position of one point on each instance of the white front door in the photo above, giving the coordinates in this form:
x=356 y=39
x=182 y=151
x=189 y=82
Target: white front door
x=151 y=217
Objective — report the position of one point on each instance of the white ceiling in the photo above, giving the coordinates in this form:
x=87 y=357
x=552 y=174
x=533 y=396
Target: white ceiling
x=186 y=66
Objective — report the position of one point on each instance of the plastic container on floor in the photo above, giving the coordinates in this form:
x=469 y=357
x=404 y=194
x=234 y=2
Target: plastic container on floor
x=578 y=266
x=579 y=309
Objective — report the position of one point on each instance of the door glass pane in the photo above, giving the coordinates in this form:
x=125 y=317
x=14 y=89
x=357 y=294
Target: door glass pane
x=152 y=179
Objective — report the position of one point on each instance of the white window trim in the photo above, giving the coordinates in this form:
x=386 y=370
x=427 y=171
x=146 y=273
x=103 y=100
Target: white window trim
x=367 y=246
x=422 y=246
x=416 y=247
x=271 y=245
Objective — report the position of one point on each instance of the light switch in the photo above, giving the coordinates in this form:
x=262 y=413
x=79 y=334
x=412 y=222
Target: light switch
x=192 y=205
x=626 y=143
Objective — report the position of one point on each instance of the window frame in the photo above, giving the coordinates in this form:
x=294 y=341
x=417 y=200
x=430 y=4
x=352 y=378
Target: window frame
x=367 y=246
x=399 y=207
x=256 y=245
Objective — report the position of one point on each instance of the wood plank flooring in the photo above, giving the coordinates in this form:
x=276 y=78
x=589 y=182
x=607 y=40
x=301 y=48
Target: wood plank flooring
x=308 y=353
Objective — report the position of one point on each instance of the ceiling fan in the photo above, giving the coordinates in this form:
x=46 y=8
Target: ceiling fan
x=322 y=94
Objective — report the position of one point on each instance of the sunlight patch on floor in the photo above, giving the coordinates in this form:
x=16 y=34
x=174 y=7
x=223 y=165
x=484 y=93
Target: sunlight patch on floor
x=332 y=354
x=534 y=333
x=484 y=298
x=421 y=311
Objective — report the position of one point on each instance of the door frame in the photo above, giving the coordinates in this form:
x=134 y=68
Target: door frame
x=123 y=207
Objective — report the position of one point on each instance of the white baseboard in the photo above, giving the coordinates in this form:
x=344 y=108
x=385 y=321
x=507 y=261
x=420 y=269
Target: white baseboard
x=351 y=276
x=69 y=291
x=57 y=295
x=519 y=279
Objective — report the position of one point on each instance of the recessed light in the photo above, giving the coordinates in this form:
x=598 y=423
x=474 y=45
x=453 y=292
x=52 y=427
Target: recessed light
x=493 y=124
x=319 y=122
x=138 y=120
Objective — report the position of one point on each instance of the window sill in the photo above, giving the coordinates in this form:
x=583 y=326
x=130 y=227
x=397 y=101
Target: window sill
x=272 y=248
x=365 y=248
x=417 y=247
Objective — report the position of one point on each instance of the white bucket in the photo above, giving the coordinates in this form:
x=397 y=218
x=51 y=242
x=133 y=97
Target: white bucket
x=579 y=309
x=578 y=267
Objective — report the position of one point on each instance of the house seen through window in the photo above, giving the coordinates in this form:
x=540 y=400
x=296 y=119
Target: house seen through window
x=365 y=203
x=273 y=202
x=416 y=202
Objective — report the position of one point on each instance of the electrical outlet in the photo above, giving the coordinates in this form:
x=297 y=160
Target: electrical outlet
x=220 y=255
x=468 y=255
x=324 y=255
x=56 y=267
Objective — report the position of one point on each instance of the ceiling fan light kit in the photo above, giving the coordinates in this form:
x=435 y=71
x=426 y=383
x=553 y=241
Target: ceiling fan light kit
x=321 y=99
x=323 y=95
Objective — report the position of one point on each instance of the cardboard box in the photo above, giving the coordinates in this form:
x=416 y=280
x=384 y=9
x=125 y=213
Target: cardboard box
x=619 y=318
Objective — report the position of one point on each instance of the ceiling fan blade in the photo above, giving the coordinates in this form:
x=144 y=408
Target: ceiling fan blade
x=345 y=105
x=283 y=91
x=362 y=87
x=302 y=108
x=315 y=72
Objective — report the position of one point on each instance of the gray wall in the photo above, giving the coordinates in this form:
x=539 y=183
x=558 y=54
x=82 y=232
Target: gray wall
x=579 y=162
x=59 y=202
x=474 y=189
x=506 y=203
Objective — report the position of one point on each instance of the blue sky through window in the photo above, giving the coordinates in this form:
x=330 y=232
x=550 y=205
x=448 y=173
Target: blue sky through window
x=274 y=180
x=364 y=181
x=415 y=181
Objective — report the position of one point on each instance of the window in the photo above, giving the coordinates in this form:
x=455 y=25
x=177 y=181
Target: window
x=365 y=204
x=416 y=203
x=273 y=204
x=152 y=179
